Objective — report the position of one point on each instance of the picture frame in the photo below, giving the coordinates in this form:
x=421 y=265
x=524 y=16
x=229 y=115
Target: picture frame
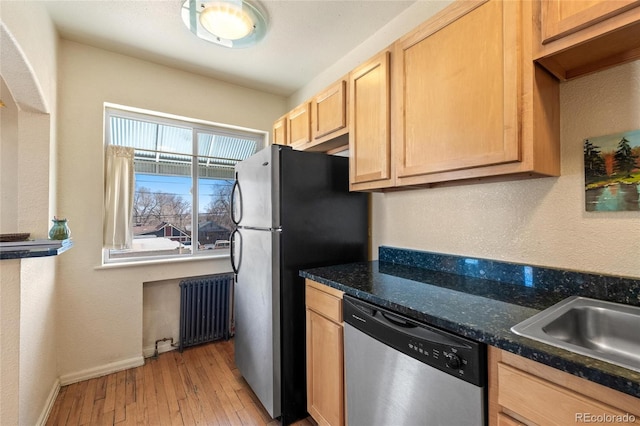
x=612 y=172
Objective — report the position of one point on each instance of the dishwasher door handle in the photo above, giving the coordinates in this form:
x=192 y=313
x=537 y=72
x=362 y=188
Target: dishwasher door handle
x=369 y=318
x=396 y=320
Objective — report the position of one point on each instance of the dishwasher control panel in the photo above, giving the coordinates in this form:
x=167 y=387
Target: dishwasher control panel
x=438 y=348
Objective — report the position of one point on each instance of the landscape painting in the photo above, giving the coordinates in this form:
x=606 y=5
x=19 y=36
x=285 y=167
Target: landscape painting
x=612 y=172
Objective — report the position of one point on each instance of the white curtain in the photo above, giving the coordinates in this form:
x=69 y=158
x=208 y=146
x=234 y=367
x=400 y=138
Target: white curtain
x=119 y=186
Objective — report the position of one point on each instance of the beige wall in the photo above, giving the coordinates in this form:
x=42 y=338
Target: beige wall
x=411 y=17
x=540 y=221
x=8 y=164
x=160 y=315
x=10 y=342
x=101 y=315
x=38 y=330
x=28 y=57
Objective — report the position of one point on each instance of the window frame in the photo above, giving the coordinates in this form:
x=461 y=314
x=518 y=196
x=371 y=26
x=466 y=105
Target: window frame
x=197 y=126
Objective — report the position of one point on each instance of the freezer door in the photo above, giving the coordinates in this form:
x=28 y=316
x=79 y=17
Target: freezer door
x=257 y=316
x=256 y=193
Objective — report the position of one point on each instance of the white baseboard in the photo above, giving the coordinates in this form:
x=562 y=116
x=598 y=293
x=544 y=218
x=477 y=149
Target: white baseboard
x=163 y=347
x=51 y=399
x=102 y=370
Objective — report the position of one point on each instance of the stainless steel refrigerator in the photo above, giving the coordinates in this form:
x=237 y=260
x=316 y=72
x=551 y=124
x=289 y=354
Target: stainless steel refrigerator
x=293 y=210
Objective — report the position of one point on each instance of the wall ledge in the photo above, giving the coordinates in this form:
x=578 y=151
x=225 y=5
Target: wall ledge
x=22 y=251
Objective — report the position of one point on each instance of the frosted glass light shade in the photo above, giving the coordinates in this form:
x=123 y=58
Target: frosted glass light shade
x=246 y=24
x=226 y=20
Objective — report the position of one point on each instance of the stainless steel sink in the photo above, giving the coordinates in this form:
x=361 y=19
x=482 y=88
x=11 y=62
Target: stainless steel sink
x=604 y=330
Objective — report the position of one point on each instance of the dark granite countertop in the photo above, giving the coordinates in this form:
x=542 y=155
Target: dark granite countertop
x=483 y=309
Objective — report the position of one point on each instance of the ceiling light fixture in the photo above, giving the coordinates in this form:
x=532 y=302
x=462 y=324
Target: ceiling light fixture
x=229 y=23
x=226 y=20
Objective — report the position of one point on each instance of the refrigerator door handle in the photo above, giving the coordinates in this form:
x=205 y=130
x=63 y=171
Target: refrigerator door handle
x=261 y=228
x=235 y=263
x=234 y=190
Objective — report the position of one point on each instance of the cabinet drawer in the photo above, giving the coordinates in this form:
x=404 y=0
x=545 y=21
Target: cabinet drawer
x=324 y=304
x=524 y=394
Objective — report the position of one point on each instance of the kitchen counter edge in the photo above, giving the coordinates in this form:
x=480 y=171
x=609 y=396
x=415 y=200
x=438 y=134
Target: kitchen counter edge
x=498 y=334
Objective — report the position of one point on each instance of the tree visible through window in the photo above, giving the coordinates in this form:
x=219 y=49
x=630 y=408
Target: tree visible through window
x=184 y=173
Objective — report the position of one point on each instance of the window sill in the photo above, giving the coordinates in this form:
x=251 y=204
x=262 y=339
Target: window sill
x=163 y=261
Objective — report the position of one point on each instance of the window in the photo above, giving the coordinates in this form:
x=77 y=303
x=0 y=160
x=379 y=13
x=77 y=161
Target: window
x=184 y=171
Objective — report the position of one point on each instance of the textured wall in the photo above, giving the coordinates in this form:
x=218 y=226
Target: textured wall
x=160 y=314
x=10 y=342
x=28 y=57
x=8 y=164
x=38 y=331
x=540 y=221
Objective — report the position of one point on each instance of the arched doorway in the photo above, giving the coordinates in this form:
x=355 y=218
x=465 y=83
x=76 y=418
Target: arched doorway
x=27 y=177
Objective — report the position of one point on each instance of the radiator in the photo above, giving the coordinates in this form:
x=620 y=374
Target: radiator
x=205 y=309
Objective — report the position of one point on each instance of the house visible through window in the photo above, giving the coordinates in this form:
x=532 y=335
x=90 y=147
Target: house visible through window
x=184 y=173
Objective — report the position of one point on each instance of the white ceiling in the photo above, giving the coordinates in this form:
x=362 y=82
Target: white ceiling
x=304 y=37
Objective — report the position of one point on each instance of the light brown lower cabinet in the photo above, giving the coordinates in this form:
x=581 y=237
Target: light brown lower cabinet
x=504 y=420
x=524 y=392
x=521 y=391
x=325 y=349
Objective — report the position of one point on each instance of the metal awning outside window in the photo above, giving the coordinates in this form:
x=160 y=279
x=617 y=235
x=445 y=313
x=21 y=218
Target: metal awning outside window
x=168 y=149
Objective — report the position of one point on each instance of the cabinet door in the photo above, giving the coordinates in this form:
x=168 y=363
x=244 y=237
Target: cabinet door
x=370 y=136
x=546 y=403
x=325 y=370
x=280 y=131
x=560 y=18
x=299 y=125
x=527 y=392
x=504 y=420
x=330 y=110
x=458 y=88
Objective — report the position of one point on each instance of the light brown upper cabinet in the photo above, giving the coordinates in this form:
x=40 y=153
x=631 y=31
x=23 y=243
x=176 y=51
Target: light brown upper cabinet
x=329 y=111
x=560 y=18
x=370 y=165
x=280 y=131
x=577 y=37
x=321 y=124
x=469 y=101
x=299 y=125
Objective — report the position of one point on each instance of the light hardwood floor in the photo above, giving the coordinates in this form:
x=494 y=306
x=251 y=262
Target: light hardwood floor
x=200 y=386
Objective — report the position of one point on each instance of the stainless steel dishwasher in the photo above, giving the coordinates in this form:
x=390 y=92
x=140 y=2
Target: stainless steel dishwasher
x=401 y=372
